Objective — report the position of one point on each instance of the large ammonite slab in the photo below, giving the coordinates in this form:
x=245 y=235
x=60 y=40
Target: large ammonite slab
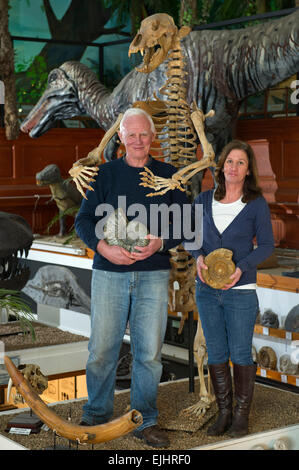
x=118 y=231
x=220 y=268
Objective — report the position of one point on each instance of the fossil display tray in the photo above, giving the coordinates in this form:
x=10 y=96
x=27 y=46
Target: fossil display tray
x=45 y=336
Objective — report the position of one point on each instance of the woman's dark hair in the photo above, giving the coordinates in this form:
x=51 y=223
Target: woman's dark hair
x=251 y=189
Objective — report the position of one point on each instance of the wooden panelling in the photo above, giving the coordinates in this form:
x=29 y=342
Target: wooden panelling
x=281 y=189
x=22 y=158
x=6 y=167
x=32 y=158
x=283 y=138
x=276 y=143
x=289 y=161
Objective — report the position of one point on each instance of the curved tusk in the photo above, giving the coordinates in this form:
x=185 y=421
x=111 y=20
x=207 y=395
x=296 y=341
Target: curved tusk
x=9 y=387
x=83 y=434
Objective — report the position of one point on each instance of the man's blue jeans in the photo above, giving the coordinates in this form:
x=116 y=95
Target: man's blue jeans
x=228 y=318
x=140 y=298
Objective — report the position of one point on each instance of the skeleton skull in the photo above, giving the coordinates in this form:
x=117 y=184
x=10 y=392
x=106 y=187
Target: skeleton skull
x=37 y=380
x=156 y=37
x=34 y=376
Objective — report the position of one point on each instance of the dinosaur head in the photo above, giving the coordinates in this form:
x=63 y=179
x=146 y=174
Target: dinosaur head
x=15 y=238
x=49 y=175
x=59 y=101
x=156 y=37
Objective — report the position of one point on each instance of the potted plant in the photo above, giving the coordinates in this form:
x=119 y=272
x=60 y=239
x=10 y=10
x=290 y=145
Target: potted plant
x=11 y=301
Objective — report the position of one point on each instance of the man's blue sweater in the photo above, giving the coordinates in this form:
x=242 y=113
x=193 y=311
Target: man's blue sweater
x=253 y=221
x=117 y=179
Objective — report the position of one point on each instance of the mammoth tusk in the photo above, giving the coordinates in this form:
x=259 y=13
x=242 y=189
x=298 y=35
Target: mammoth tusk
x=83 y=434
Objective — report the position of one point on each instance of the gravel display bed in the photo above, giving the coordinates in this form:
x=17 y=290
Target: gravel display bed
x=271 y=409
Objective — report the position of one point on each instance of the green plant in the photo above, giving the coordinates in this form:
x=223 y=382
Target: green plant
x=11 y=301
x=32 y=76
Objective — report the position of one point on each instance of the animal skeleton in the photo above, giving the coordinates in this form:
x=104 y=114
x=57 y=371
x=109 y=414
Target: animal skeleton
x=33 y=374
x=183 y=128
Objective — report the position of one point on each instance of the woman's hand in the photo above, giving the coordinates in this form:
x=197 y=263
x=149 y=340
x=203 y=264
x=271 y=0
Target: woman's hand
x=200 y=265
x=143 y=252
x=115 y=254
x=235 y=278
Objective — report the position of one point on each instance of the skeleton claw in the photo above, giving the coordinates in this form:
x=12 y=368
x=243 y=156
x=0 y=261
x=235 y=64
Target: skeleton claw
x=79 y=188
x=78 y=170
x=149 y=180
x=199 y=409
x=83 y=175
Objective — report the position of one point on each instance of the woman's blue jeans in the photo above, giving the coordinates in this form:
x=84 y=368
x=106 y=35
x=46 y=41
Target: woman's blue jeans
x=228 y=318
x=140 y=298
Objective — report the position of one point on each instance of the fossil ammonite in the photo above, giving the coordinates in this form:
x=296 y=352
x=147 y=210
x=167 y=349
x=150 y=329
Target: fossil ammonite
x=287 y=366
x=267 y=358
x=220 y=268
x=292 y=320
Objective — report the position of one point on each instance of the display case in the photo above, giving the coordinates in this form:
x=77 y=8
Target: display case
x=276 y=340
x=72 y=268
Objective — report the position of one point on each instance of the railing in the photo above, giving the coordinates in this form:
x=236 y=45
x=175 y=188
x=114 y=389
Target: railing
x=272 y=103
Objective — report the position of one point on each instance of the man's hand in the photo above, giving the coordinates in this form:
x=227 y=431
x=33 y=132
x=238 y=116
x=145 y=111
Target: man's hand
x=143 y=252
x=115 y=254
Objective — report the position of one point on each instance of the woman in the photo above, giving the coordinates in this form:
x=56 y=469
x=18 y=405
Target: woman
x=233 y=215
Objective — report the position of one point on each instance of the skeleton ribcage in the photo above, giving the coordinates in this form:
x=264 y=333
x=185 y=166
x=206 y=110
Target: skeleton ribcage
x=178 y=140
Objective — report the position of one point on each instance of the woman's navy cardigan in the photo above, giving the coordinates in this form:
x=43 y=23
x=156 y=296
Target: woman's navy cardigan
x=253 y=222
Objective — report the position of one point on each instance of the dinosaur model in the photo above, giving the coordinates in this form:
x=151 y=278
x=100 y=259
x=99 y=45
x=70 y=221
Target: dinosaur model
x=15 y=240
x=63 y=192
x=223 y=67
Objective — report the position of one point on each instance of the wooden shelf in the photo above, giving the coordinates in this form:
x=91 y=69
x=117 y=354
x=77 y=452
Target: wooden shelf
x=276 y=332
x=285 y=283
x=278 y=376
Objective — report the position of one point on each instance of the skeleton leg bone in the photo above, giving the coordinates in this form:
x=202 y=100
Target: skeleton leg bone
x=206 y=397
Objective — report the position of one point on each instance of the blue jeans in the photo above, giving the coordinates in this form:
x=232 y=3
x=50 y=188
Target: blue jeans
x=140 y=298
x=228 y=318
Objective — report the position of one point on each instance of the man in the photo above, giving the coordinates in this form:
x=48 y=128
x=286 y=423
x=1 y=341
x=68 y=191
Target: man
x=128 y=286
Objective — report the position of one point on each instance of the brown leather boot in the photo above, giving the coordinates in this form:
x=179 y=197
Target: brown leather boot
x=244 y=379
x=222 y=384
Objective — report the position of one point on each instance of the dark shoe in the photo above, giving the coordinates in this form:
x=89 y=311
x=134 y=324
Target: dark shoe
x=222 y=384
x=244 y=379
x=153 y=436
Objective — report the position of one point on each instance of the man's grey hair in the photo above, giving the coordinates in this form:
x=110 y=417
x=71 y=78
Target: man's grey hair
x=136 y=112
